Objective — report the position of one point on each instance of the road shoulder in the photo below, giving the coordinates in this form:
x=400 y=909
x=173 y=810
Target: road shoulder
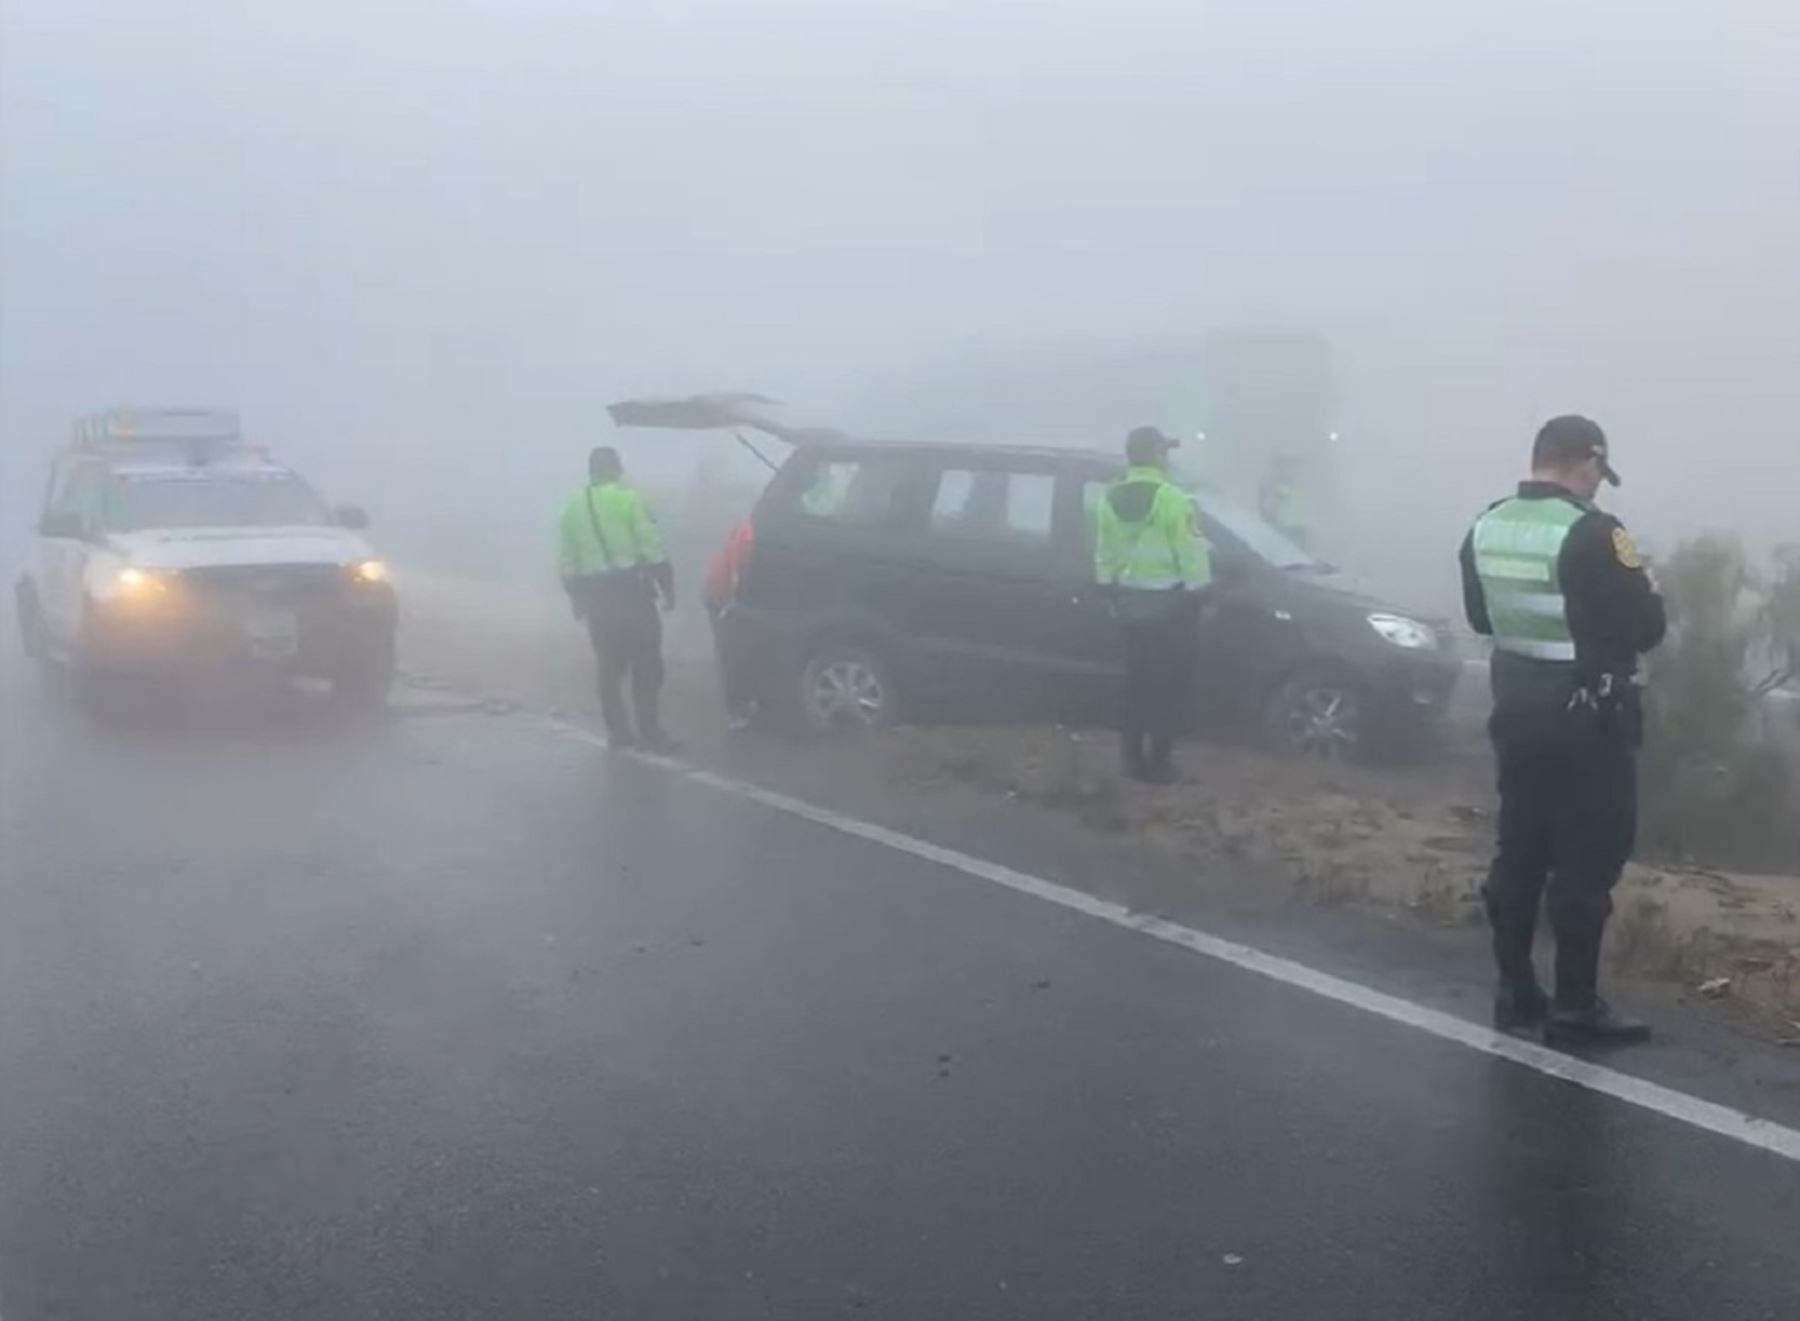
x=1042 y=801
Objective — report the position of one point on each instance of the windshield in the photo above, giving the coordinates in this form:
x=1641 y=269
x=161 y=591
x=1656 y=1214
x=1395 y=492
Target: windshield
x=1262 y=539
x=213 y=500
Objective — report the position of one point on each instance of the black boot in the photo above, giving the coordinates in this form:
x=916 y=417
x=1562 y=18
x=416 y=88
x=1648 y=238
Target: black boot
x=620 y=737
x=1160 y=766
x=1594 y=1024
x=1131 y=757
x=1579 y=1017
x=1520 y=1006
x=1577 y=967
x=1519 y=1002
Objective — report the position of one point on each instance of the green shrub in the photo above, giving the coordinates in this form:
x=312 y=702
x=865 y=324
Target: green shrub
x=1718 y=781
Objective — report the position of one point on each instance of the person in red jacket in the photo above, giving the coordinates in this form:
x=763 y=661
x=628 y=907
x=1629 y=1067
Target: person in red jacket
x=723 y=574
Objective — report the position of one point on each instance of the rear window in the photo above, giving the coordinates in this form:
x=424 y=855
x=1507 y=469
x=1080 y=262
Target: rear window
x=991 y=505
x=850 y=492
x=212 y=500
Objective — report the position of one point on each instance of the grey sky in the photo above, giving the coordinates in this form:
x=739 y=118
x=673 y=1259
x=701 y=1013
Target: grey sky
x=407 y=225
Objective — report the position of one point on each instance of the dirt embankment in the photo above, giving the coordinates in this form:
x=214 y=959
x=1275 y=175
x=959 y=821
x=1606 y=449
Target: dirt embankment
x=1418 y=840
x=1409 y=840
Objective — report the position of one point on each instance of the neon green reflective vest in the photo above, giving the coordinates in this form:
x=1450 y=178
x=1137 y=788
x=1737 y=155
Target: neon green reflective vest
x=606 y=526
x=1518 y=554
x=1146 y=538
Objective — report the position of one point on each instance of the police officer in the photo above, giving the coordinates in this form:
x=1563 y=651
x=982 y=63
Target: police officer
x=1283 y=501
x=610 y=553
x=1152 y=560
x=1561 y=589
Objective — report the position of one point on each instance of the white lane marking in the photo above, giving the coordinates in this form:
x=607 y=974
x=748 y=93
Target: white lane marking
x=1764 y=1134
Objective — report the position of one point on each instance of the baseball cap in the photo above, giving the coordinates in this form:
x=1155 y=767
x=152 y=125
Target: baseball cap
x=1148 y=443
x=1572 y=438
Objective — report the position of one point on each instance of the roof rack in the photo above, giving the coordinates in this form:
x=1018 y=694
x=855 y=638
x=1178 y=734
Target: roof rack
x=213 y=427
x=194 y=436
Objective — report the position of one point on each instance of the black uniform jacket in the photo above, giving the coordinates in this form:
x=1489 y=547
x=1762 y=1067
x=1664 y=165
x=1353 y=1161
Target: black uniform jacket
x=1615 y=613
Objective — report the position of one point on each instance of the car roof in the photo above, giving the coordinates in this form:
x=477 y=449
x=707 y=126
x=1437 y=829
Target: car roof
x=141 y=460
x=151 y=470
x=1054 y=453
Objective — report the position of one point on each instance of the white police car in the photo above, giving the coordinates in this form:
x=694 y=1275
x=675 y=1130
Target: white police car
x=167 y=546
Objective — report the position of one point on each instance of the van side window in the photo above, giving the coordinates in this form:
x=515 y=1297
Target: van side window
x=993 y=505
x=852 y=492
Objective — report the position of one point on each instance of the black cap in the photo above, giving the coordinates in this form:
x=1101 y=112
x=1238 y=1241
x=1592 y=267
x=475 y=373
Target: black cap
x=1572 y=438
x=1147 y=445
x=604 y=463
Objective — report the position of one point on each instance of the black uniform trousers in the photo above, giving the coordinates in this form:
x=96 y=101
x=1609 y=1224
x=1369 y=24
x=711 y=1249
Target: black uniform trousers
x=626 y=631
x=1568 y=822
x=1160 y=654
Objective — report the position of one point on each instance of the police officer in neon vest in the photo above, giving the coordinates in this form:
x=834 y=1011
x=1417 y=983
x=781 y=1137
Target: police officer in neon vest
x=610 y=554
x=1151 y=559
x=1560 y=587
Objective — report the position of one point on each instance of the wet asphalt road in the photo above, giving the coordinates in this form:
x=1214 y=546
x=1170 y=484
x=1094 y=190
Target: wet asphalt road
x=448 y=1017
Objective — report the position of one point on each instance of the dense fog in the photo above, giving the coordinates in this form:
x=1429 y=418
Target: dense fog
x=421 y=243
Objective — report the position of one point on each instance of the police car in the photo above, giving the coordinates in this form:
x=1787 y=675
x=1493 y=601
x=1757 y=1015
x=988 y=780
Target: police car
x=168 y=546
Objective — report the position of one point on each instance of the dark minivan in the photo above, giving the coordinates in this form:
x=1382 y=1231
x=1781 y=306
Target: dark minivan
x=956 y=581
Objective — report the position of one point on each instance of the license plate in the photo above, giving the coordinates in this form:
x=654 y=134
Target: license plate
x=272 y=633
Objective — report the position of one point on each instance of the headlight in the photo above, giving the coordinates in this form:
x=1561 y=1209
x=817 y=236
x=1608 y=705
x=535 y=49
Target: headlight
x=369 y=571
x=1404 y=632
x=134 y=584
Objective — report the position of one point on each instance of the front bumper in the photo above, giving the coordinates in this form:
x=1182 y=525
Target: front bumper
x=308 y=620
x=1412 y=692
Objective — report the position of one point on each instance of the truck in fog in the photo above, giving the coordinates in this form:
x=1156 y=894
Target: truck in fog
x=167 y=547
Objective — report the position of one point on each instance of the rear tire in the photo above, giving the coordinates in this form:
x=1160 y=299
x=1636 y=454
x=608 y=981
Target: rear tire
x=846 y=688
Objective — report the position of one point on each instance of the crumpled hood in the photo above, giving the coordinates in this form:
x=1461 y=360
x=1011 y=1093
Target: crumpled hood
x=194 y=548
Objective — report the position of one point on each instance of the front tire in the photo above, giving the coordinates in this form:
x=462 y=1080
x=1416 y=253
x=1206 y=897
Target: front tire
x=1318 y=713
x=32 y=636
x=847 y=688
x=364 y=685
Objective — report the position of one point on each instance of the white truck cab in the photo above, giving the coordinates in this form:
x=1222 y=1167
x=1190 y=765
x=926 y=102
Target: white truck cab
x=167 y=545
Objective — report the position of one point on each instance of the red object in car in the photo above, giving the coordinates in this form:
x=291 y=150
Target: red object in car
x=726 y=569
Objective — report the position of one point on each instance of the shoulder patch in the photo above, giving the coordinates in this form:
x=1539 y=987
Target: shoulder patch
x=1625 y=549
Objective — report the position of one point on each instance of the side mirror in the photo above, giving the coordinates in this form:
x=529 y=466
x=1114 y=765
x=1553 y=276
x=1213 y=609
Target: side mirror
x=64 y=524
x=354 y=517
